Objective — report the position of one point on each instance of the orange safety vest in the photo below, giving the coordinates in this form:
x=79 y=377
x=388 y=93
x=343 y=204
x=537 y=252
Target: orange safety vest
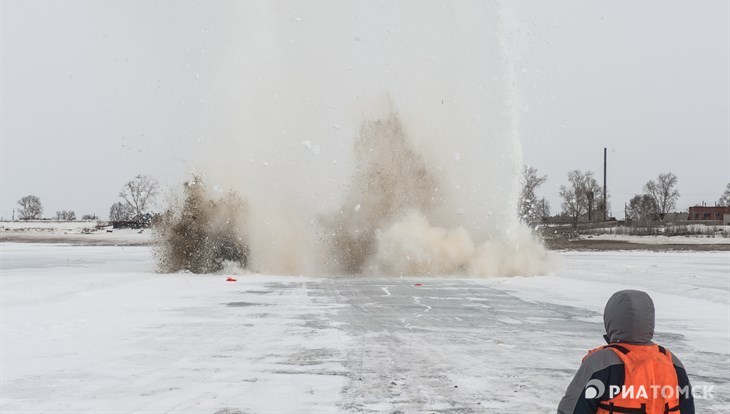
x=650 y=384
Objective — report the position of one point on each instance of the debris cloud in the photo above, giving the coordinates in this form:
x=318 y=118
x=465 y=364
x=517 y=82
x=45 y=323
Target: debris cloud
x=370 y=138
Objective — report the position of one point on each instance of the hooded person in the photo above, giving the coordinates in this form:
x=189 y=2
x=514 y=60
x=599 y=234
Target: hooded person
x=631 y=374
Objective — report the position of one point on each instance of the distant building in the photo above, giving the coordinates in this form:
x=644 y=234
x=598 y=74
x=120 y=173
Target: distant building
x=708 y=213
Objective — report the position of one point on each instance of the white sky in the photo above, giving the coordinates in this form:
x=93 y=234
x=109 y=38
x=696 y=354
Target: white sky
x=94 y=93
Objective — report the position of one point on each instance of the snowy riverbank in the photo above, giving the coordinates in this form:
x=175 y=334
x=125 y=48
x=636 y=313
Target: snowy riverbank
x=72 y=232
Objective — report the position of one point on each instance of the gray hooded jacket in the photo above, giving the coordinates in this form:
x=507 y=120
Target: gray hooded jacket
x=628 y=318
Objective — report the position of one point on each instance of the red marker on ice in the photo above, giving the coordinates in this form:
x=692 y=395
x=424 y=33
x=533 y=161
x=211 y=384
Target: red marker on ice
x=230 y=279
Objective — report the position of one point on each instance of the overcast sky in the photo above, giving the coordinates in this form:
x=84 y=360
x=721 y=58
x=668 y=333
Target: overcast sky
x=95 y=92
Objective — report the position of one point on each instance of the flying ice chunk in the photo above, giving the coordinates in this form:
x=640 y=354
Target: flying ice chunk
x=314 y=148
x=457 y=157
x=357 y=208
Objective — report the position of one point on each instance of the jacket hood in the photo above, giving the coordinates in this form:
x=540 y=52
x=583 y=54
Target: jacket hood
x=629 y=317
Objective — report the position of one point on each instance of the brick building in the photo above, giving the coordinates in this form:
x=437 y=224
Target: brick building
x=708 y=213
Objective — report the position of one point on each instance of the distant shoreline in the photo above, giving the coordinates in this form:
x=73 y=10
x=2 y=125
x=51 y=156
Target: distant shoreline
x=81 y=239
x=74 y=239
x=104 y=239
x=613 y=245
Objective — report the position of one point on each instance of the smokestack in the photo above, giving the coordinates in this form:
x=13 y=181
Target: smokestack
x=605 y=200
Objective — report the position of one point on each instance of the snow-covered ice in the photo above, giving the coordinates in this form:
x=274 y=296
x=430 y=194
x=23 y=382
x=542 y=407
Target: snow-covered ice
x=94 y=329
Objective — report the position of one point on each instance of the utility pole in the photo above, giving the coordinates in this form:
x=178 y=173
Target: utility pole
x=590 y=206
x=605 y=200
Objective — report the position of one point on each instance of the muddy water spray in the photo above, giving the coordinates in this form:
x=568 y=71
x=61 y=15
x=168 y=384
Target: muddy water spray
x=371 y=137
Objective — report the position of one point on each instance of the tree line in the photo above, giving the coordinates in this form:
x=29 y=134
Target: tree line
x=582 y=198
x=137 y=196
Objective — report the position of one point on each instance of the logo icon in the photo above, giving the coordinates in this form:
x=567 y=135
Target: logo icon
x=594 y=389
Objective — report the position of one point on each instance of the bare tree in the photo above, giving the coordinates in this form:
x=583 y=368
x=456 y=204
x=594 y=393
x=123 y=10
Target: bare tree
x=664 y=192
x=66 y=215
x=120 y=212
x=139 y=193
x=642 y=209
x=725 y=199
x=543 y=208
x=529 y=207
x=30 y=208
x=579 y=196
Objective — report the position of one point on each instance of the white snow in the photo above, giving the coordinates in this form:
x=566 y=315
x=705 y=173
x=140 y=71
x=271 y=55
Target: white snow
x=77 y=232
x=700 y=239
x=94 y=329
x=50 y=225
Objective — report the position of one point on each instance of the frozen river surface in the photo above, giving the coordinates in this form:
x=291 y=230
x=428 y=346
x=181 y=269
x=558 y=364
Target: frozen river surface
x=94 y=329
